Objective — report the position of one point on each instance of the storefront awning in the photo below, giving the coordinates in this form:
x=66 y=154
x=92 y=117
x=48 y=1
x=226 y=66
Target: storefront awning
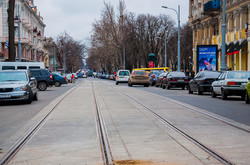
x=227 y=46
x=233 y=48
x=240 y=47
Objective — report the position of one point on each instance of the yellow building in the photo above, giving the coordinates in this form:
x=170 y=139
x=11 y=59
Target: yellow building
x=205 y=17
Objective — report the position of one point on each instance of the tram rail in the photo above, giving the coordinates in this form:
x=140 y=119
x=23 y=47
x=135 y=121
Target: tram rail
x=30 y=133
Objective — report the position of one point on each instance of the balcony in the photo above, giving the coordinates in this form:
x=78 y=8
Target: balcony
x=213 y=5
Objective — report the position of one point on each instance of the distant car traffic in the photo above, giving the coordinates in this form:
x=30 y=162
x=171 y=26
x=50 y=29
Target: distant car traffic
x=18 y=85
x=202 y=82
x=139 y=77
x=122 y=76
x=59 y=80
x=153 y=76
x=247 y=96
x=160 y=78
x=230 y=83
x=175 y=79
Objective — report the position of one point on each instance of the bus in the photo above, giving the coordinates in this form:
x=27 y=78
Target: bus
x=165 y=69
x=21 y=65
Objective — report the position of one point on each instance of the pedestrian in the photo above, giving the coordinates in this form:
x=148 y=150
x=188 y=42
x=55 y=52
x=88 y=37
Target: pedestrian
x=73 y=78
x=192 y=74
x=187 y=72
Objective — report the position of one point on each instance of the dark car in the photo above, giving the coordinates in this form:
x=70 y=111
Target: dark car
x=17 y=85
x=160 y=79
x=175 y=79
x=202 y=82
x=59 y=80
x=43 y=77
x=153 y=76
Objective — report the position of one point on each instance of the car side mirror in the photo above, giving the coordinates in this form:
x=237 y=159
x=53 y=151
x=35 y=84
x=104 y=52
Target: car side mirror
x=249 y=78
x=216 y=79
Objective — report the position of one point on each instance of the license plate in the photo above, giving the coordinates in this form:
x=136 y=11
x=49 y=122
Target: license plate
x=5 y=96
x=181 y=80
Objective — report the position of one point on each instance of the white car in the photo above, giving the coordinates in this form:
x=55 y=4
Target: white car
x=230 y=83
x=122 y=76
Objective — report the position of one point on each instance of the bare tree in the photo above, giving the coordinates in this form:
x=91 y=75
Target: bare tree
x=11 y=48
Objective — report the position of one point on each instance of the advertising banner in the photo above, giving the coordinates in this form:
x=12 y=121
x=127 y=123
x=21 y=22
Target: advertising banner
x=206 y=57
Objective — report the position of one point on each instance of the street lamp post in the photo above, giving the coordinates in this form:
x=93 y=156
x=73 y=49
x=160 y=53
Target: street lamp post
x=223 y=46
x=165 y=49
x=35 y=47
x=179 y=42
x=19 y=37
x=54 y=61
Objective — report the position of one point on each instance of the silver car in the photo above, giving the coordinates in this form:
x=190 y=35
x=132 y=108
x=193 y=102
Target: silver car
x=230 y=83
x=18 y=85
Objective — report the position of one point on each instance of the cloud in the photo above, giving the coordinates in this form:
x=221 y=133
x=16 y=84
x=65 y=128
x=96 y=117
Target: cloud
x=77 y=16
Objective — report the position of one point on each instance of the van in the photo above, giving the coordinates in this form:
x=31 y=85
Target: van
x=21 y=65
x=122 y=76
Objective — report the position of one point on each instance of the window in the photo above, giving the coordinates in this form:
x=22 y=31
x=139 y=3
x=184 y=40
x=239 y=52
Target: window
x=21 y=67
x=8 y=67
x=34 y=67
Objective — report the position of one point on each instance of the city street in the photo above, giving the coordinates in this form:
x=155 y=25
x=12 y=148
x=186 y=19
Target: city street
x=142 y=125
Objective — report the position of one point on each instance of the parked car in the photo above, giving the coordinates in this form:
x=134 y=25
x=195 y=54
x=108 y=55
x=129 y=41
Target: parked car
x=175 y=79
x=69 y=78
x=122 y=76
x=18 y=85
x=230 y=83
x=139 y=77
x=160 y=78
x=202 y=82
x=43 y=77
x=59 y=80
x=153 y=76
x=247 y=95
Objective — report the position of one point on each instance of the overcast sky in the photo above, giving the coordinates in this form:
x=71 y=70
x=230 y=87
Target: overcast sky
x=76 y=16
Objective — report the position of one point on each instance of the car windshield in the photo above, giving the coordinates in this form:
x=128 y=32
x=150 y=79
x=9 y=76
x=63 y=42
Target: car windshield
x=212 y=74
x=238 y=75
x=123 y=73
x=141 y=72
x=12 y=76
x=177 y=74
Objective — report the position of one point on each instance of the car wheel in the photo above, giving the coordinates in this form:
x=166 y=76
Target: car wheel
x=247 y=100
x=213 y=93
x=199 y=91
x=183 y=88
x=35 y=96
x=189 y=90
x=30 y=99
x=168 y=86
x=116 y=83
x=57 y=84
x=223 y=95
x=163 y=86
x=42 y=86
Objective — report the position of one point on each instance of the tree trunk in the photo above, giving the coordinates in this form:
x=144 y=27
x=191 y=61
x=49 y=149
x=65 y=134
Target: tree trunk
x=12 y=54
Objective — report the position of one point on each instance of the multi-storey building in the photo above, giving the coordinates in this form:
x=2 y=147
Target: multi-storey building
x=31 y=31
x=206 y=18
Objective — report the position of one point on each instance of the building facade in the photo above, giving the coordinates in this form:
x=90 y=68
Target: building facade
x=206 y=18
x=31 y=31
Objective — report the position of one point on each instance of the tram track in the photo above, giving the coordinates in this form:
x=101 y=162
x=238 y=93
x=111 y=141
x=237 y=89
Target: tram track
x=181 y=132
x=105 y=148
x=31 y=132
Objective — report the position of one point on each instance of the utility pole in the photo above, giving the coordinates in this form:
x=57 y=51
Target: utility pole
x=223 y=44
x=19 y=38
